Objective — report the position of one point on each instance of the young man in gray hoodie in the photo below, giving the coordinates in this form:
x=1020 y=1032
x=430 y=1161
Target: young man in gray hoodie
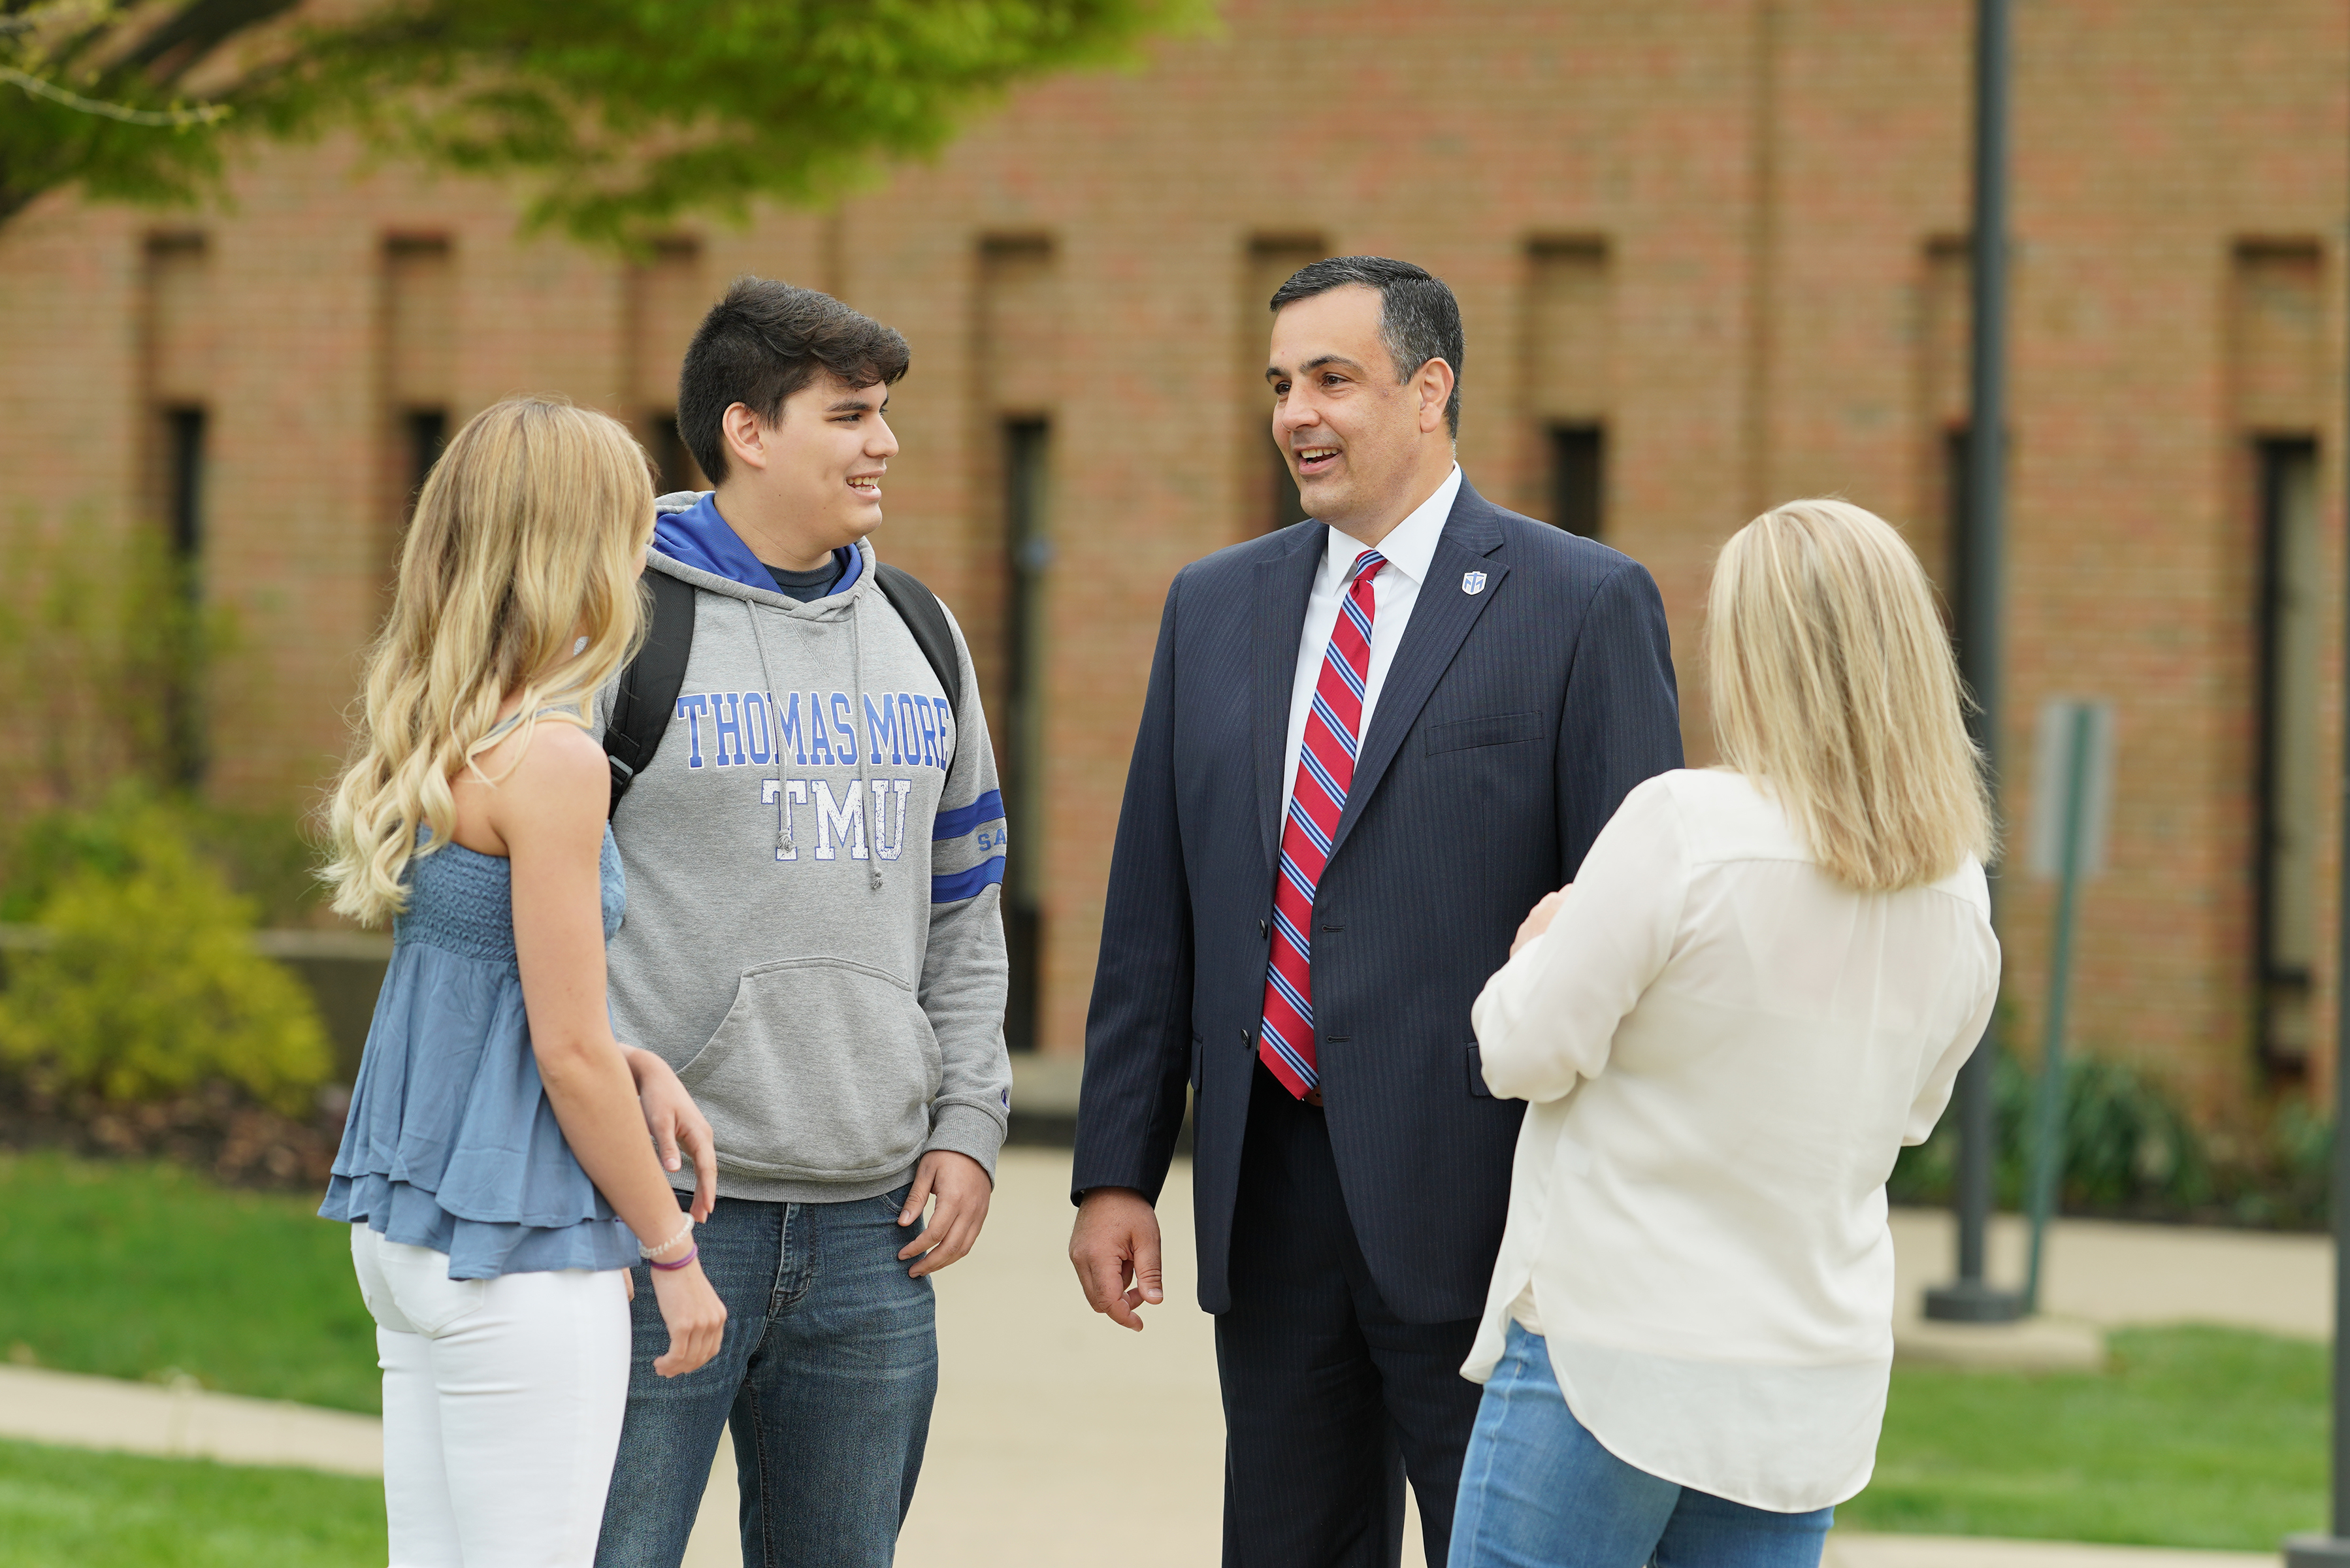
x=813 y=853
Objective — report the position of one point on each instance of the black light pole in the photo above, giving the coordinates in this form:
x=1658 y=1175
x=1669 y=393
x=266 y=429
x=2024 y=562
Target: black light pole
x=2333 y=1551
x=1970 y=1298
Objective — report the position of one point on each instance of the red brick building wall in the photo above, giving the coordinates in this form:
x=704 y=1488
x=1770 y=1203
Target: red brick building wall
x=1727 y=230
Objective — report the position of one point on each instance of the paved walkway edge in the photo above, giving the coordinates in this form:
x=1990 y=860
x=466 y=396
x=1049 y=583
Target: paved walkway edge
x=184 y=1422
x=1853 y=1549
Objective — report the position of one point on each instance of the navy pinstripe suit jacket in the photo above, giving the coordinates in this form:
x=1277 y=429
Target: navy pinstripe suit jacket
x=1512 y=722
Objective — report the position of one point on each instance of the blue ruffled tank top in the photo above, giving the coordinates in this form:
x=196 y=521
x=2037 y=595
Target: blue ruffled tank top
x=451 y=1143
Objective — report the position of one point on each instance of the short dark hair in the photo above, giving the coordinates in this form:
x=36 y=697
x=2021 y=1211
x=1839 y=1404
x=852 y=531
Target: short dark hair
x=764 y=341
x=1418 y=317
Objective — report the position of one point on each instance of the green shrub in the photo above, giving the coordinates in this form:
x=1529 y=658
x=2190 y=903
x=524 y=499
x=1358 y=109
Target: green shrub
x=2127 y=1142
x=152 y=986
x=264 y=854
x=2131 y=1149
x=107 y=657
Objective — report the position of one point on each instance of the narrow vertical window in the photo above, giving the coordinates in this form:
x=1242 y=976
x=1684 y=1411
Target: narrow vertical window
x=1578 y=479
x=1567 y=348
x=1019 y=325
x=2281 y=386
x=428 y=432
x=183 y=499
x=676 y=469
x=1027 y=473
x=666 y=296
x=181 y=350
x=185 y=481
x=1943 y=344
x=1269 y=497
x=1953 y=574
x=2291 y=606
x=419 y=364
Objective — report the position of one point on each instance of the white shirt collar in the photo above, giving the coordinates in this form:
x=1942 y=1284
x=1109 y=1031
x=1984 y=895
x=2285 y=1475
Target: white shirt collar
x=1410 y=545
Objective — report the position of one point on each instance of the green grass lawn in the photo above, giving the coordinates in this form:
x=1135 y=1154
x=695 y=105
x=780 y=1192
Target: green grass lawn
x=68 y=1506
x=138 y=1270
x=2193 y=1437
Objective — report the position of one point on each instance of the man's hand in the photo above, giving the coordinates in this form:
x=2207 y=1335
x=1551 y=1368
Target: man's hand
x=1538 y=919
x=962 y=1189
x=1114 y=1250
x=676 y=1122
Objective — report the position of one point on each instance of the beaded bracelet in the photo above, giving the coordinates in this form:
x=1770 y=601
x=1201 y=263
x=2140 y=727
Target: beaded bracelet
x=684 y=1229
x=692 y=1253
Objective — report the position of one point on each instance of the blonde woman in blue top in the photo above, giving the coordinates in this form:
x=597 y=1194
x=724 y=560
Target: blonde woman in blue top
x=496 y=1159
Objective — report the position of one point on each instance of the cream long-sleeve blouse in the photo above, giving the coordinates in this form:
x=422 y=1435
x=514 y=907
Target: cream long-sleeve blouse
x=1725 y=1048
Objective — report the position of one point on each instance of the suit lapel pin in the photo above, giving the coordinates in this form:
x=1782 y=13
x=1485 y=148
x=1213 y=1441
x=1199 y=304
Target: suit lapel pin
x=1473 y=582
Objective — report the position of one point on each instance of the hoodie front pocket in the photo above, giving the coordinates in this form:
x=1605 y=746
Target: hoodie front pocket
x=822 y=1070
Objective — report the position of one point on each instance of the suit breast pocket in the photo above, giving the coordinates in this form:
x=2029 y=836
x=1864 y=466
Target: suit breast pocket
x=1486 y=730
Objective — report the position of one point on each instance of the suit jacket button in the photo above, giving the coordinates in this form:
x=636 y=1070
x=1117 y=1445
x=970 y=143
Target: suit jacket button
x=1262 y=931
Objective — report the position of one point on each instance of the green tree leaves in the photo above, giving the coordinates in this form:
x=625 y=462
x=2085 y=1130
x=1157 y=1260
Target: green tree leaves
x=617 y=116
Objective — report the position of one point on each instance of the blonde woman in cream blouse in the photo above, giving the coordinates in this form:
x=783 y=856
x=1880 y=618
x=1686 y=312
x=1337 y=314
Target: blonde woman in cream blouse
x=1760 y=987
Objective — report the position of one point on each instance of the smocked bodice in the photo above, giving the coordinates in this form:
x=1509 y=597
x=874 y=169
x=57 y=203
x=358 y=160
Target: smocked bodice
x=463 y=901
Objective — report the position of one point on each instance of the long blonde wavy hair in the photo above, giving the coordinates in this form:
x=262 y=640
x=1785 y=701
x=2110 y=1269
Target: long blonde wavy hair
x=1835 y=689
x=528 y=534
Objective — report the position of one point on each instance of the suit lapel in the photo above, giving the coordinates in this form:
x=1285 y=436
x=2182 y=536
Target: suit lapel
x=1283 y=583
x=1440 y=619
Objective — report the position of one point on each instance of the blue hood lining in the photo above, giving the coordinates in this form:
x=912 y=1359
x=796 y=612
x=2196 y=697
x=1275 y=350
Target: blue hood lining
x=699 y=538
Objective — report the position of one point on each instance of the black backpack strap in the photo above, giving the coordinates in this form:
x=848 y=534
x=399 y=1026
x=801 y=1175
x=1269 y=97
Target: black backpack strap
x=926 y=619
x=647 y=698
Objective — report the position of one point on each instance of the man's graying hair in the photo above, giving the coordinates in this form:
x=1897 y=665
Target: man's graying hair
x=1418 y=317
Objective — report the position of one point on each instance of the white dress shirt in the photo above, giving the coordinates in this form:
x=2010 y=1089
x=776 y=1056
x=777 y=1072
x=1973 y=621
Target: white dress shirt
x=1394 y=590
x=1725 y=1048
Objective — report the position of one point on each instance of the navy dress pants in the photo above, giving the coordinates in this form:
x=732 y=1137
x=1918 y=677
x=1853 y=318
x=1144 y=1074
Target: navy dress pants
x=1331 y=1401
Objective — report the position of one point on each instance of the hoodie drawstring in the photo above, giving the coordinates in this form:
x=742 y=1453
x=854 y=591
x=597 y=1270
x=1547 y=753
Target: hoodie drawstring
x=867 y=800
x=873 y=807
x=759 y=640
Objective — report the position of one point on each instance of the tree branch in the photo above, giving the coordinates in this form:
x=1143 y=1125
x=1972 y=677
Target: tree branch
x=177 y=119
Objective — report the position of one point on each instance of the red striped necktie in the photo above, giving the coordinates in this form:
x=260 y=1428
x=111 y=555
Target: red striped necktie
x=1325 y=769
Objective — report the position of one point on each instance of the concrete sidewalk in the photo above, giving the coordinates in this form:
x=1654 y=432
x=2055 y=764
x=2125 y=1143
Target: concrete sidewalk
x=1061 y=1440
x=2101 y=1276
x=181 y=1421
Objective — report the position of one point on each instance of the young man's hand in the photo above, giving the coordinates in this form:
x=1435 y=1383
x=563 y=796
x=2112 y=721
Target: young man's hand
x=960 y=1184
x=676 y=1123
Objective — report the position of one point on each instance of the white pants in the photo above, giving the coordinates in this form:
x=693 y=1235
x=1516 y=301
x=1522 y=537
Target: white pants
x=501 y=1406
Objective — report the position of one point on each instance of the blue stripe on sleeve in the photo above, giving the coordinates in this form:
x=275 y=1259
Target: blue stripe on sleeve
x=957 y=886
x=963 y=818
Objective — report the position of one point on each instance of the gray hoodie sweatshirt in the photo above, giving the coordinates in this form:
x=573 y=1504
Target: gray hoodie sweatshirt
x=815 y=859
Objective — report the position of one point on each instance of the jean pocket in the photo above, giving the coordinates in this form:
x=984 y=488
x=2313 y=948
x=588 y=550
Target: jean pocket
x=894 y=1203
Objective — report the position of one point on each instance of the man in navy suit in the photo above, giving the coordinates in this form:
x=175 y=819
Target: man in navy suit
x=1371 y=742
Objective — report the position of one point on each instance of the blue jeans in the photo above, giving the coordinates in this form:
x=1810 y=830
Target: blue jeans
x=827 y=1374
x=1538 y=1492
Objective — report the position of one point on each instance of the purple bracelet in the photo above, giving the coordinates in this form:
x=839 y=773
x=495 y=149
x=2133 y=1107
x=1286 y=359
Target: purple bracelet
x=691 y=1253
